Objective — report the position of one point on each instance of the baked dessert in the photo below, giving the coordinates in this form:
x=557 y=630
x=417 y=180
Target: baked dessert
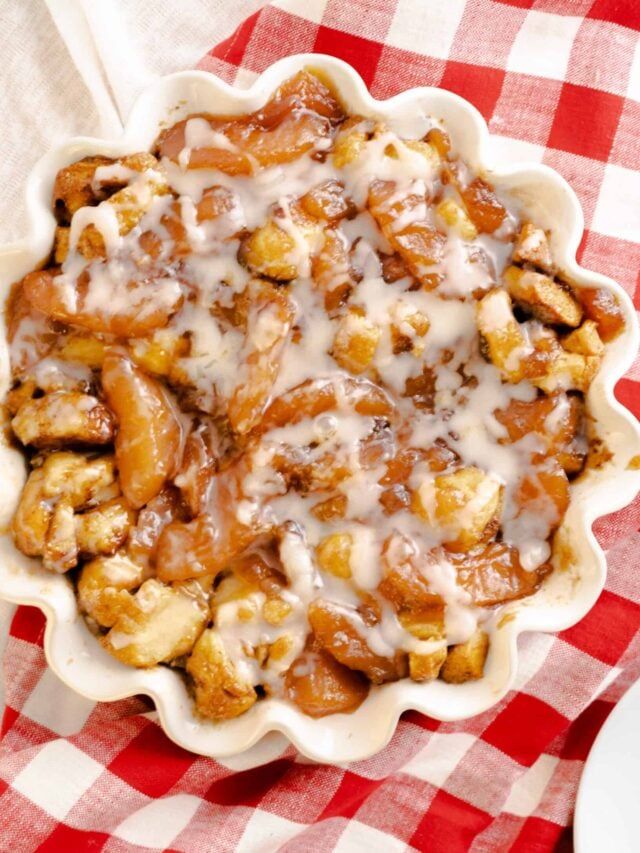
x=302 y=402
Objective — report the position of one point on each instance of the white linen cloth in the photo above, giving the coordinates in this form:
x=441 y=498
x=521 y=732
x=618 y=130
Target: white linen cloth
x=70 y=67
x=75 y=67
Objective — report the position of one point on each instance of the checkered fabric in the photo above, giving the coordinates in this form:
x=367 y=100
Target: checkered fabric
x=559 y=82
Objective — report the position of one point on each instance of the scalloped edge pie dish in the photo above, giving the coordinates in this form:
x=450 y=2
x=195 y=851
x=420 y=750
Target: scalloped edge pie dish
x=565 y=597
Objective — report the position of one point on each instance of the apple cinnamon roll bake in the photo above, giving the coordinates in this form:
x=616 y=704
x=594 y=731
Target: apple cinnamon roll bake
x=302 y=401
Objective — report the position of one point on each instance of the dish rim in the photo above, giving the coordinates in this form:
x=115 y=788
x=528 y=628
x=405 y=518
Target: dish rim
x=82 y=664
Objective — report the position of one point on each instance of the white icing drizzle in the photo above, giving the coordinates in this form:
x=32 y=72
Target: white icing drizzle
x=467 y=390
x=111 y=173
x=104 y=218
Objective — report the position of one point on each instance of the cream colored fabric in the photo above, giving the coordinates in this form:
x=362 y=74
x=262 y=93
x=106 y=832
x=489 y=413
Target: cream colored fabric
x=72 y=67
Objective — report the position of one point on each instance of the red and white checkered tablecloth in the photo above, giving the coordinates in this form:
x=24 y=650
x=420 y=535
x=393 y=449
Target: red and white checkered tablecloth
x=559 y=79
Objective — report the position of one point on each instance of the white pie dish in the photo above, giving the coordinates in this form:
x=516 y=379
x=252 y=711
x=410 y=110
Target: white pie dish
x=566 y=596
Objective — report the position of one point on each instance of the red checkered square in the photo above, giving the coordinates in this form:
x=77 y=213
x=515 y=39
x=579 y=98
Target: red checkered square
x=449 y=825
x=248 y=787
x=582 y=732
x=524 y=727
x=585 y=122
x=361 y=53
x=351 y=793
x=520 y=4
x=537 y=834
x=481 y=86
x=608 y=628
x=275 y=34
x=526 y=107
x=138 y=762
x=623 y=12
x=28 y=624
x=368 y=19
x=8 y=719
x=628 y=392
x=399 y=70
x=65 y=837
x=611 y=73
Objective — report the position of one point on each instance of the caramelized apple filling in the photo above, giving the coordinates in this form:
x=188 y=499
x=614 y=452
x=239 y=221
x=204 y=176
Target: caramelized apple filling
x=302 y=399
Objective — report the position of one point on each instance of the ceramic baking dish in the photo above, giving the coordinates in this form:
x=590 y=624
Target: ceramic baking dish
x=566 y=596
